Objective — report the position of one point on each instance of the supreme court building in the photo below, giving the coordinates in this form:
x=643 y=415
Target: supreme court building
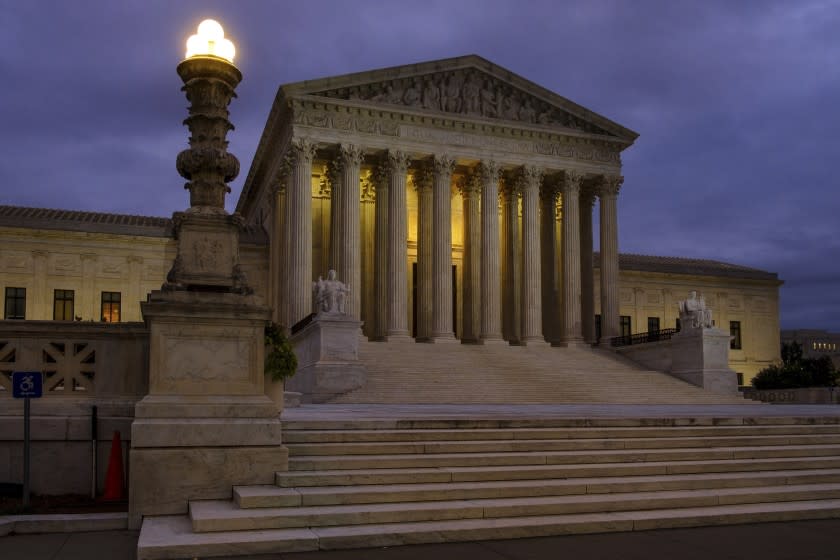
x=454 y=197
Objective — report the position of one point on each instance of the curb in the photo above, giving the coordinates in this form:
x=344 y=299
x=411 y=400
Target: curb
x=62 y=523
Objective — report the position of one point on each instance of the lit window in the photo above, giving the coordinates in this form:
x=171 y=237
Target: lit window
x=111 y=307
x=63 y=305
x=15 y=303
x=735 y=332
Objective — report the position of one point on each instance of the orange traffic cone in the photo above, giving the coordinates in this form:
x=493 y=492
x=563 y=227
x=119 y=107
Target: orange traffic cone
x=114 y=480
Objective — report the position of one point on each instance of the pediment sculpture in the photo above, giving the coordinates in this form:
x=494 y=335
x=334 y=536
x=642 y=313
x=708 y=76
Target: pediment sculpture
x=693 y=312
x=329 y=296
x=467 y=92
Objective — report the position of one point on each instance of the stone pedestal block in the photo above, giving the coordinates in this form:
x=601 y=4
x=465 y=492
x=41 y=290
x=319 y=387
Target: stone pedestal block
x=327 y=350
x=701 y=357
x=206 y=424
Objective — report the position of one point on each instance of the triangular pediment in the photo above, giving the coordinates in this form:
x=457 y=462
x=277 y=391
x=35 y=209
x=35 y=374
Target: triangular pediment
x=468 y=86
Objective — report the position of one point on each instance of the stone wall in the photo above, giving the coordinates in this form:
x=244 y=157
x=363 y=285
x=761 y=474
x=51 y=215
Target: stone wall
x=85 y=364
x=805 y=395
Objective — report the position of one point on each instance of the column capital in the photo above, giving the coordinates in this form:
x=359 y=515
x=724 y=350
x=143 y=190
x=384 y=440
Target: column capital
x=443 y=164
x=469 y=185
x=488 y=170
x=396 y=161
x=332 y=171
x=302 y=149
x=508 y=186
x=279 y=186
x=350 y=155
x=609 y=185
x=587 y=197
x=529 y=178
x=572 y=180
x=284 y=171
x=423 y=178
x=380 y=174
x=40 y=254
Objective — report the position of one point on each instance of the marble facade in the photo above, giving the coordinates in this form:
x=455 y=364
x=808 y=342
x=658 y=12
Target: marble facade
x=427 y=146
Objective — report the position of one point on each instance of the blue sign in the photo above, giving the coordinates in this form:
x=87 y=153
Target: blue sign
x=27 y=384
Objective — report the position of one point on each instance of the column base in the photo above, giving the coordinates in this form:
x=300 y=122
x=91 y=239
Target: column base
x=573 y=343
x=535 y=341
x=444 y=339
x=399 y=336
x=493 y=340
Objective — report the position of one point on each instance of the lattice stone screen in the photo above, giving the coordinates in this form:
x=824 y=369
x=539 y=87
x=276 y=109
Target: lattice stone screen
x=78 y=359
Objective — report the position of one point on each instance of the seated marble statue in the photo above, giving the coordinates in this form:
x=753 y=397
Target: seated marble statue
x=328 y=295
x=693 y=312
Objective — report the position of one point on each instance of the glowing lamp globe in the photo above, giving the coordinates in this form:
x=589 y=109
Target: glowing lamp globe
x=210 y=41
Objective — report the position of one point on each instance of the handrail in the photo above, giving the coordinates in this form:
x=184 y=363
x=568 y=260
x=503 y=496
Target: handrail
x=643 y=338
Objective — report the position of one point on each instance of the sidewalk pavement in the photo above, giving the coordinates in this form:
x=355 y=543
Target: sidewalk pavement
x=797 y=540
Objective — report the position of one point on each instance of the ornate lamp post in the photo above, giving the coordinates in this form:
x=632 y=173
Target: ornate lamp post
x=208 y=237
x=206 y=414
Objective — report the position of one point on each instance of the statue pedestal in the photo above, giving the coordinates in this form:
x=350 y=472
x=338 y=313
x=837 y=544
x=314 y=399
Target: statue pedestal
x=327 y=349
x=700 y=356
x=206 y=424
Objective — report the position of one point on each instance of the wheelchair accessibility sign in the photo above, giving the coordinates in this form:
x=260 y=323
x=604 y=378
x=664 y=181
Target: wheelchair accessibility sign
x=27 y=384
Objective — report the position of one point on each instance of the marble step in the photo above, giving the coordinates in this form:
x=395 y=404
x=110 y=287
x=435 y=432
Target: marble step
x=273 y=496
x=171 y=537
x=664 y=423
x=309 y=463
x=347 y=477
x=218 y=515
x=292 y=435
x=496 y=446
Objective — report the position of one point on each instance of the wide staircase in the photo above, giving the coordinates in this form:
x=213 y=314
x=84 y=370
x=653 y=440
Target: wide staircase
x=485 y=374
x=387 y=482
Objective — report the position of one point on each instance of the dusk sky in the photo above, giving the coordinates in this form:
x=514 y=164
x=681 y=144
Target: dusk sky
x=736 y=104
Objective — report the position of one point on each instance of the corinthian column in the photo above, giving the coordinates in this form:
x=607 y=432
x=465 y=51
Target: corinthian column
x=297 y=229
x=587 y=278
x=572 y=328
x=442 y=249
x=397 y=275
x=336 y=255
x=470 y=188
x=491 y=298
x=608 y=193
x=380 y=254
x=531 y=302
x=349 y=241
x=510 y=262
x=278 y=244
x=423 y=184
x=548 y=249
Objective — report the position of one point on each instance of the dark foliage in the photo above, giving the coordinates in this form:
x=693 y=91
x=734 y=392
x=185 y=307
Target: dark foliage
x=280 y=359
x=796 y=371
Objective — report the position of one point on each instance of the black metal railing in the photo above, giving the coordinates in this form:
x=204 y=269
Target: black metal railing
x=643 y=338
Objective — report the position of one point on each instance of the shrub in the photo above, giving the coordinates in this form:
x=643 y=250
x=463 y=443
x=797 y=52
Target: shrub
x=796 y=371
x=280 y=359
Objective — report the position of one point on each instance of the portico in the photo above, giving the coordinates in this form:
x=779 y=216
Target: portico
x=453 y=197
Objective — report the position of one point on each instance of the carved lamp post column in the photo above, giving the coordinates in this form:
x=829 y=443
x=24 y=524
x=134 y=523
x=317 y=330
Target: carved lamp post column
x=206 y=330
x=208 y=237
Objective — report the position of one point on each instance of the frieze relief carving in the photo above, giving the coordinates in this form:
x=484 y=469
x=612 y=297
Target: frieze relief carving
x=581 y=149
x=467 y=92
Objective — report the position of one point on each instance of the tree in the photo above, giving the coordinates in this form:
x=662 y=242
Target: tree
x=797 y=371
